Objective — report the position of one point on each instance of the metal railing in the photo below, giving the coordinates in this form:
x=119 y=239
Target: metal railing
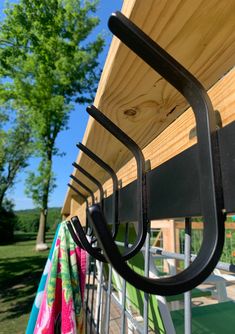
x=99 y=316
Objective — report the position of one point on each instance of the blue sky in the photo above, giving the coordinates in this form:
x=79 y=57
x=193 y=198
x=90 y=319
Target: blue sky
x=77 y=124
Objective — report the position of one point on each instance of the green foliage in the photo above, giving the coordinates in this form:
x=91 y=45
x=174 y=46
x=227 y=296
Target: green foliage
x=44 y=52
x=36 y=183
x=7 y=222
x=28 y=220
x=47 y=42
x=228 y=254
x=15 y=149
x=48 y=64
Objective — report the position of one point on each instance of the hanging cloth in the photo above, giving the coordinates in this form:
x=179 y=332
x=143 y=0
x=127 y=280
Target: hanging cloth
x=41 y=288
x=61 y=309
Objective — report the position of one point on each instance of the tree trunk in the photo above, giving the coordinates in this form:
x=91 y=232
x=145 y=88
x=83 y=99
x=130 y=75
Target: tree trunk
x=41 y=236
x=2 y=195
x=1 y=199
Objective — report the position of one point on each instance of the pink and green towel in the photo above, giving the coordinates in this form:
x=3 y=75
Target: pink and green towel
x=61 y=305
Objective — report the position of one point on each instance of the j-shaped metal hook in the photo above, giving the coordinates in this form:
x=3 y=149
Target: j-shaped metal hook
x=114 y=178
x=141 y=179
x=75 y=179
x=92 y=179
x=88 y=228
x=77 y=232
x=211 y=194
x=93 y=251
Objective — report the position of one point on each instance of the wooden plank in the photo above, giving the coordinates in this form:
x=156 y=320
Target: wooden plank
x=199 y=34
x=195 y=225
x=74 y=205
x=199 y=225
x=175 y=138
x=158 y=224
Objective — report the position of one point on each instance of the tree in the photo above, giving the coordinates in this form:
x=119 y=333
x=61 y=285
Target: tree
x=15 y=149
x=50 y=63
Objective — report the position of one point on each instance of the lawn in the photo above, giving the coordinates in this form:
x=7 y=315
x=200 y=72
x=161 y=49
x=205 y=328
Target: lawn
x=20 y=271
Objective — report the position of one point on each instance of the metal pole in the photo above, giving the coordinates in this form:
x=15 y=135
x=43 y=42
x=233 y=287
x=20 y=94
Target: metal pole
x=92 y=297
x=135 y=323
x=109 y=292
x=146 y=272
x=123 y=314
x=187 y=295
x=88 y=291
x=177 y=256
x=99 y=296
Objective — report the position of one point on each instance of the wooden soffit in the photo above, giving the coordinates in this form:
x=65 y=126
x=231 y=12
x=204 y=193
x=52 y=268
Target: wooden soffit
x=199 y=34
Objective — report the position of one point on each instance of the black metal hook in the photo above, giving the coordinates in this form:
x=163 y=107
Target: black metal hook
x=209 y=169
x=75 y=179
x=69 y=225
x=74 y=235
x=79 y=237
x=93 y=179
x=96 y=182
x=75 y=226
x=93 y=251
x=79 y=193
x=88 y=190
x=114 y=178
x=141 y=179
x=89 y=233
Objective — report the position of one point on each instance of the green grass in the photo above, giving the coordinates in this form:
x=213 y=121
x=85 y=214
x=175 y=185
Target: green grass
x=20 y=271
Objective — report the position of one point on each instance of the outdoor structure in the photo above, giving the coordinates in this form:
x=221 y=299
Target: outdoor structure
x=201 y=36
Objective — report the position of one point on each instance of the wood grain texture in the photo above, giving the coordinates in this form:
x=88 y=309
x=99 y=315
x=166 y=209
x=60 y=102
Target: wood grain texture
x=201 y=36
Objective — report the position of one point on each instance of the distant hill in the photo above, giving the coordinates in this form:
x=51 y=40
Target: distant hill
x=28 y=220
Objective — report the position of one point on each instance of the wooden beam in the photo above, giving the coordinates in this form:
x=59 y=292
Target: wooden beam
x=199 y=225
x=175 y=138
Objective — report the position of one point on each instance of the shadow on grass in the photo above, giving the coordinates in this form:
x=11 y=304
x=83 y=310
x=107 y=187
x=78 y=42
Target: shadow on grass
x=19 y=281
x=22 y=236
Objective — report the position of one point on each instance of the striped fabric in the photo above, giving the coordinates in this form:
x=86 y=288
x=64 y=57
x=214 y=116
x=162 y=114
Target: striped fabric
x=58 y=306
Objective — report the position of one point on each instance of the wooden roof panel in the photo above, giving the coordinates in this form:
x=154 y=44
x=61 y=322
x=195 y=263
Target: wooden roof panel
x=199 y=34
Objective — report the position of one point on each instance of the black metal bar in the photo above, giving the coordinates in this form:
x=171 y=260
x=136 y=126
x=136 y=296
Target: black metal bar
x=141 y=198
x=93 y=179
x=227 y=154
x=113 y=175
x=173 y=187
x=208 y=165
x=177 y=181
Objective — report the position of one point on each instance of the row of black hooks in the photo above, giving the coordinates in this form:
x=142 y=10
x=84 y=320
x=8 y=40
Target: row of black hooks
x=97 y=239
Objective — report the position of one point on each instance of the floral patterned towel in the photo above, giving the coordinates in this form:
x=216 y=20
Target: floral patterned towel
x=41 y=288
x=61 y=308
